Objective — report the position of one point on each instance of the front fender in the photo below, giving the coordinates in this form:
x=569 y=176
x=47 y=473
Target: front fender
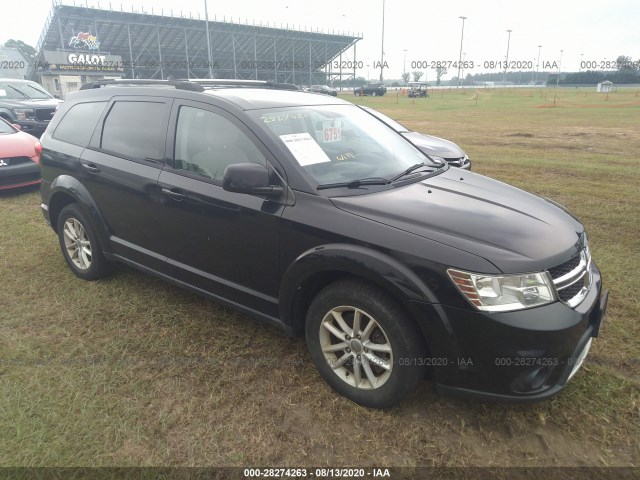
x=66 y=186
x=377 y=267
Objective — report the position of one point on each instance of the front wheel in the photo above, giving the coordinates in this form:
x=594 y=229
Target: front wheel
x=374 y=94
x=363 y=344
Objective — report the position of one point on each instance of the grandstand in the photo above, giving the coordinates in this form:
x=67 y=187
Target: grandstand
x=83 y=42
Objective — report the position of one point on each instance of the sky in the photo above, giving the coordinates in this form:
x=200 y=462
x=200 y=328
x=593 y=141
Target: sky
x=415 y=30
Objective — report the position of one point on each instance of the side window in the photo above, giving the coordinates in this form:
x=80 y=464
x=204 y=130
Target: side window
x=136 y=130
x=207 y=143
x=79 y=122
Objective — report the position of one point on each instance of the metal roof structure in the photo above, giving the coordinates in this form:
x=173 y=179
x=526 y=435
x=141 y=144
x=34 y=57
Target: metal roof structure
x=161 y=45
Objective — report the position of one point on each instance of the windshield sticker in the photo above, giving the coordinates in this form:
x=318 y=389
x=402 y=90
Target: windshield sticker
x=332 y=130
x=281 y=117
x=305 y=149
x=345 y=156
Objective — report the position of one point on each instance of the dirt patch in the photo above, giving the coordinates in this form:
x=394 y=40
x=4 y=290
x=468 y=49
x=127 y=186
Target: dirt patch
x=520 y=134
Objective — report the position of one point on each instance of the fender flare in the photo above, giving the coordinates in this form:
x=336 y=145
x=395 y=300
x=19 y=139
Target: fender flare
x=375 y=266
x=71 y=186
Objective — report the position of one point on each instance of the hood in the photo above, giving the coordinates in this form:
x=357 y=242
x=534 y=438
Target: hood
x=31 y=103
x=18 y=144
x=515 y=230
x=434 y=145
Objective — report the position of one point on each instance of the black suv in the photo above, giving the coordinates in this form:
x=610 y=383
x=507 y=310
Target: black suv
x=27 y=104
x=309 y=213
x=373 y=89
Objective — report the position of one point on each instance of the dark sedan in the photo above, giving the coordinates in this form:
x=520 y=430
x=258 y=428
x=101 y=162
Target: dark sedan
x=19 y=157
x=324 y=89
x=437 y=148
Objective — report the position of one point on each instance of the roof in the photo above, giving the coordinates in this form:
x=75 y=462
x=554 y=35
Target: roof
x=246 y=95
x=256 y=98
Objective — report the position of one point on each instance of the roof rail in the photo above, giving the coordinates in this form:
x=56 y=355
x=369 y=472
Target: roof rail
x=179 y=84
x=232 y=82
x=194 y=85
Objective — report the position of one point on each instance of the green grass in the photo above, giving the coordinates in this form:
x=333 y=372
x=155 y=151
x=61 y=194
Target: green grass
x=132 y=371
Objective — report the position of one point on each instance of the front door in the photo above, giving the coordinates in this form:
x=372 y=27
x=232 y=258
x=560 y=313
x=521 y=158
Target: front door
x=222 y=242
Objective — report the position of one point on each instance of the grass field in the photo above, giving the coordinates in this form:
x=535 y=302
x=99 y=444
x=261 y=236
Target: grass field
x=132 y=371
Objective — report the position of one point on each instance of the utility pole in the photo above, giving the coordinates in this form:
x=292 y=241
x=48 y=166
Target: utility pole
x=506 y=63
x=206 y=19
x=460 y=56
x=382 y=48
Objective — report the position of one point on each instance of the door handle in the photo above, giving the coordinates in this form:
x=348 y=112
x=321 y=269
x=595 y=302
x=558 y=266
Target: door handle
x=177 y=196
x=91 y=167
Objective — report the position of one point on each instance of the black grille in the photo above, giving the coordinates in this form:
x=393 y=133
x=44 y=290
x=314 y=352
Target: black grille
x=455 y=161
x=571 y=291
x=560 y=270
x=44 y=114
x=15 y=160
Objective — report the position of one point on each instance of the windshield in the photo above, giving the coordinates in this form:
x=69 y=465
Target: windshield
x=341 y=143
x=389 y=121
x=19 y=90
x=5 y=128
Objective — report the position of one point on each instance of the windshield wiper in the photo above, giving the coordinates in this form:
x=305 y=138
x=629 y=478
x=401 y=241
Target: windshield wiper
x=356 y=183
x=411 y=169
x=20 y=92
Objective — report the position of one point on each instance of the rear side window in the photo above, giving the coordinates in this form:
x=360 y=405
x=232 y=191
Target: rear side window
x=79 y=122
x=135 y=130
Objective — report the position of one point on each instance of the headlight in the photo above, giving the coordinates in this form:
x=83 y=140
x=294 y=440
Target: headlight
x=502 y=293
x=23 y=113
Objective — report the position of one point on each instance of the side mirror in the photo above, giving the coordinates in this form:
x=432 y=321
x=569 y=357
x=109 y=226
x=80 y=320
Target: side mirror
x=249 y=178
x=16 y=126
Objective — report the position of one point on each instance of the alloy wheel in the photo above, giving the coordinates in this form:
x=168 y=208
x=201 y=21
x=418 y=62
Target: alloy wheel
x=77 y=243
x=356 y=347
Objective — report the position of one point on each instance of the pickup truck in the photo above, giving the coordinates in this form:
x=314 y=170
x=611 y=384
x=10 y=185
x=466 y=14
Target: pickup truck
x=27 y=104
x=373 y=89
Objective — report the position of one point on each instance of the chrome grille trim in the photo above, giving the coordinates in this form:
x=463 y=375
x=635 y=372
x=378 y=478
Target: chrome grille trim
x=581 y=273
x=573 y=276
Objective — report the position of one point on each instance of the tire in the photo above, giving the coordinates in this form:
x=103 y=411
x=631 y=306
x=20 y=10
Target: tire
x=79 y=244
x=374 y=94
x=377 y=377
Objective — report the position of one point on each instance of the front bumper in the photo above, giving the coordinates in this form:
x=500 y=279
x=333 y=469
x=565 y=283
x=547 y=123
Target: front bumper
x=20 y=175
x=522 y=356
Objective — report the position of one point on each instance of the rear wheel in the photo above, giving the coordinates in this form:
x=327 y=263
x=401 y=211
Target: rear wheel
x=374 y=94
x=363 y=344
x=79 y=244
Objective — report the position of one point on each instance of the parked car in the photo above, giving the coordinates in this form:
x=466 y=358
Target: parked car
x=19 y=157
x=437 y=148
x=27 y=104
x=418 y=90
x=310 y=214
x=324 y=89
x=373 y=89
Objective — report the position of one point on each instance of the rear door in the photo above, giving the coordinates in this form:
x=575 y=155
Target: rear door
x=120 y=169
x=222 y=242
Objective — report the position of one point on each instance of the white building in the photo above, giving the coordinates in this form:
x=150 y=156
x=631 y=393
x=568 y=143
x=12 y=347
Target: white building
x=605 y=87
